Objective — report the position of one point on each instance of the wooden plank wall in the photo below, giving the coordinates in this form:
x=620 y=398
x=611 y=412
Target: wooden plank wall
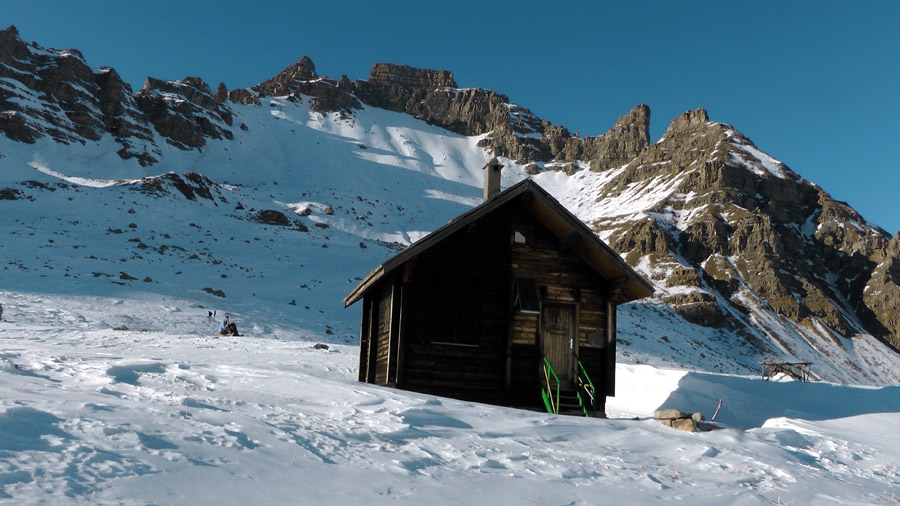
x=562 y=277
x=383 y=333
x=458 y=308
x=365 y=339
x=460 y=336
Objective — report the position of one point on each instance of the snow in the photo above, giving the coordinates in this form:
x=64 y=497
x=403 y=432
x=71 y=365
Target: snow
x=114 y=390
x=164 y=413
x=758 y=162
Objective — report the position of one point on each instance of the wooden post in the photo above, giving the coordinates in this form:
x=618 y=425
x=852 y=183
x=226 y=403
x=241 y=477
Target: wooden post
x=610 y=348
x=373 y=333
x=362 y=373
x=394 y=334
x=401 y=332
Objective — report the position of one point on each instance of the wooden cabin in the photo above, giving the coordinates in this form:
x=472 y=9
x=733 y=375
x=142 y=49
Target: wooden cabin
x=511 y=303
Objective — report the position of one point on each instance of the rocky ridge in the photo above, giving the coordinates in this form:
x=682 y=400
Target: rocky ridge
x=735 y=231
x=727 y=233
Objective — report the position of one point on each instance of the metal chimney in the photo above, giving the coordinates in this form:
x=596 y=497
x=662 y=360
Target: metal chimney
x=492 y=177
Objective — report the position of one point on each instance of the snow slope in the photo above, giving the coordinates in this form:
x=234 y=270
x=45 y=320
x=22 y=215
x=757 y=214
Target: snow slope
x=160 y=412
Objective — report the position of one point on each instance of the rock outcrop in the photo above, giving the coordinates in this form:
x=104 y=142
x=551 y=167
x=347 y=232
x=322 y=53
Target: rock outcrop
x=184 y=112
x=54 y=93
x=731 y=232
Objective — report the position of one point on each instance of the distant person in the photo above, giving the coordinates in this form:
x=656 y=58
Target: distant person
x=1 y=312
x=227 y=328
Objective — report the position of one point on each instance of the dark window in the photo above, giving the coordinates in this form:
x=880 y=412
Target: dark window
x=458 y=314
x=527 y=300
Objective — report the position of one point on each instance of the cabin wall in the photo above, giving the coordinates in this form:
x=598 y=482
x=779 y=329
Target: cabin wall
x=562 y=278
x=457 y=312
x=445 y=322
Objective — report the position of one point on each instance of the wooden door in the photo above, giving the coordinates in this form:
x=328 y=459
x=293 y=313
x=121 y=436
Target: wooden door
x=558 y=338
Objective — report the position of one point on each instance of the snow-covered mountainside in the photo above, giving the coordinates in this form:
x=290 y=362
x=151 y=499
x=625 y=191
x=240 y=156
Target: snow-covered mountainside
x=242 y=196
x=127 y=217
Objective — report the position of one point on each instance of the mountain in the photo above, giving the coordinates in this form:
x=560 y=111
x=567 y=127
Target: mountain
x=303 y=183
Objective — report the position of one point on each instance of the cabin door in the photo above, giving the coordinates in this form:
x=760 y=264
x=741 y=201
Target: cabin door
x=558 y=338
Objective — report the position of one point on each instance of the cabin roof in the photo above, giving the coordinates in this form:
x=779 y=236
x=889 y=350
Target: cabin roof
x=546 y=209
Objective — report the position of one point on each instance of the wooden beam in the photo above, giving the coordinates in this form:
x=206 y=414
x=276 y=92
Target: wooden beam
x=373 y=335
x=614 y=287
x=610 y=389
x=394 y=333
x=362 y=372
x=401 y=333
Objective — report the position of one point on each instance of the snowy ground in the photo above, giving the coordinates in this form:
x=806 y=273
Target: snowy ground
x=163 y=413
x=113 y=390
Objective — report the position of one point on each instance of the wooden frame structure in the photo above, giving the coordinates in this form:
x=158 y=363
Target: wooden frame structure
x=798 y=370
x=471 y=310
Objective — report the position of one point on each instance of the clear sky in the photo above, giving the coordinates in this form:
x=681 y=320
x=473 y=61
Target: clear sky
x=815 y=84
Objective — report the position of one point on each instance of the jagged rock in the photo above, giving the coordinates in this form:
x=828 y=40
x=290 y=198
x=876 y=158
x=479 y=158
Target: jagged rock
x=287 y=81
x=432 y=96
x=328 y=97
x=221 y=94
x=300 y=78
x=50 y=92
x=404 y=76
x=734 y=220
x=881 y=294
x=192 y=185
x=618 y=146
x=273 y=217
x=185 y=112
x=243 y=96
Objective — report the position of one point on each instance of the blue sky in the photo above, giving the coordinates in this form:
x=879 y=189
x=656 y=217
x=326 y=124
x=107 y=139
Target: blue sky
x=815 y=84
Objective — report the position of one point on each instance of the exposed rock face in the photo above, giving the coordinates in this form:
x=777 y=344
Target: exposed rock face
x=53 y=93
x=882 y=291
x=734 y=232
x=288 y=80
x=185 y=112
x=433 y=96
x=624 y=141
x=301 y=79
x=406 y=77
x=191 y=186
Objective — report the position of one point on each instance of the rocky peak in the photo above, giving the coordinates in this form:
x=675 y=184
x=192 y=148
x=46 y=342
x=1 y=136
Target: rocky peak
x=404 y=76
x=287 y=81
x=729 y=221
x=625 y=140
x=221 y=94
x=688 y=120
